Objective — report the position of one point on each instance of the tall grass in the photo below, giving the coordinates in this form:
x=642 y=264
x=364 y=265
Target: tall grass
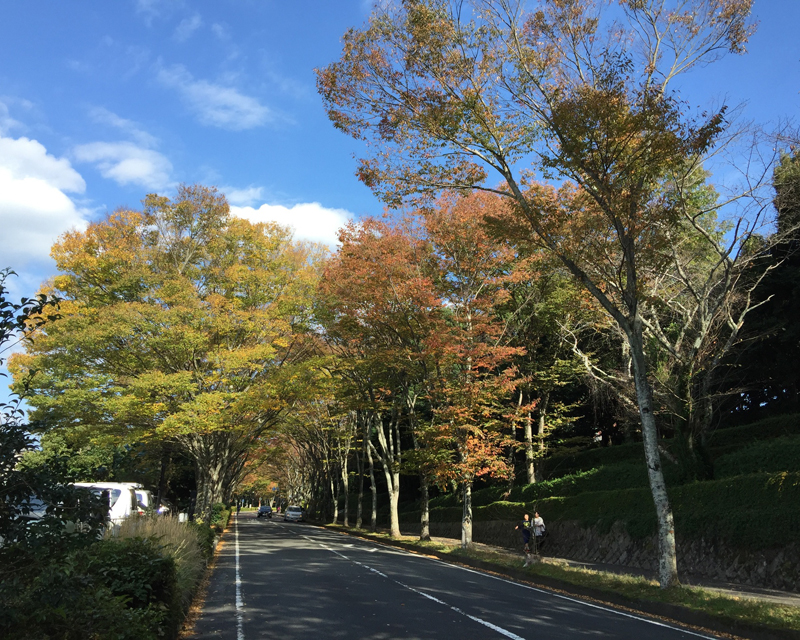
x=179 y=541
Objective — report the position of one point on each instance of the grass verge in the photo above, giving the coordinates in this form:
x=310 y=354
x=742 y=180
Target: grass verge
x=737 y=612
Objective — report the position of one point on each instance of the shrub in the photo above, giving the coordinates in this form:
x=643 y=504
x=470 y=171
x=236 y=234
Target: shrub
x=115 y=590
x=562 y=464
x=179 y=541
x=220 y=514
x=136 y=569
x=754 y=512
x=766 y=429
x=781 y=454
x=205 y=537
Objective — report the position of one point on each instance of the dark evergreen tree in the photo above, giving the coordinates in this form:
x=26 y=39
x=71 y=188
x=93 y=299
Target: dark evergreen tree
x=768 y=373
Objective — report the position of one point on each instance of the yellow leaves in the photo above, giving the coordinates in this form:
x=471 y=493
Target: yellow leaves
x=175 y=320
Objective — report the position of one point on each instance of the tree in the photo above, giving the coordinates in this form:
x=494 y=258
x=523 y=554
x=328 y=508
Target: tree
x=178 y=322
x=543 y=309
x=766 y=366
x=442 y=95
x=46 y=489
x=379 y=308
x=474 y=378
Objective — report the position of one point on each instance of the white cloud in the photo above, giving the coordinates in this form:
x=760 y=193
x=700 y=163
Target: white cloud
x=221 y=31
x=149 y=9
x=23 y=158
x=187 y=27
x=214 y=104
x=102 y=115
x=34 y=208
x=243 y=197
x=7 y=123
x=127 y=163
x=310 y=220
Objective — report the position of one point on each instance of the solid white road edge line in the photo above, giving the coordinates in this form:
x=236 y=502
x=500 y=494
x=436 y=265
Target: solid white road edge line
x=239 y=601
x=593 y=605
x=493 y=627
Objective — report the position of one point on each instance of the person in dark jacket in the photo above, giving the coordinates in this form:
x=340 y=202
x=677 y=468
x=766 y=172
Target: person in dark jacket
x=526 y=528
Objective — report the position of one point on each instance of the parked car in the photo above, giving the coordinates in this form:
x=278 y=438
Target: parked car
x=122 y=501
x=264 y=511
x=293 y=514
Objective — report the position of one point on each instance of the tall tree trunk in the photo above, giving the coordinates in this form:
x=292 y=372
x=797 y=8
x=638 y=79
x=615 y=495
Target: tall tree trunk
x=530 y=468
x=393 y=480
x=389 y=456
x=466 y=517
x=425 y=516
x=373 y=489
x=667 y=560
x=360 y=460
x=511 y=461
x=543 y=402
x=334 y=499
x=346 y=490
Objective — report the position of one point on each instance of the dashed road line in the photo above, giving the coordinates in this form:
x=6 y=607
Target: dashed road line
x=493 y=627
x=592 y=605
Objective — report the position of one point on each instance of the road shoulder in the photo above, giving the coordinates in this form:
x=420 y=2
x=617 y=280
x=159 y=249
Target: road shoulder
x=659 y=610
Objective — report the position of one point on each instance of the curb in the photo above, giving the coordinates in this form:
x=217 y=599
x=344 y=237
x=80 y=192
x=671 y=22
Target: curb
x=671 y=612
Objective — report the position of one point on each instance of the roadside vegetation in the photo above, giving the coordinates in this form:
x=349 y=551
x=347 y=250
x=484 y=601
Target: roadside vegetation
x=565 y=307
x=65 y=573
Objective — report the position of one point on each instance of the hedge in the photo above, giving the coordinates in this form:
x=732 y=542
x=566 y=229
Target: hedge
x=781 y=454
x=613 y=477
x=113 y=589
x=755 y=511
x=723 y=441
x=766 y=429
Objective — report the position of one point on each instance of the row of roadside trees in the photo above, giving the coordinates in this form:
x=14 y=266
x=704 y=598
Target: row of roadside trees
x=445 y=341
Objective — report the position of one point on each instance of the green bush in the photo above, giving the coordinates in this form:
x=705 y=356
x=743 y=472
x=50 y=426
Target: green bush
x=220 y=514
x=60 y=601
x=781 y=454
x=205 y=538
x=722 y=442
x=138 y=570
x=562 y=464
x=113 y=589
x=179 y=541
x=767 y=429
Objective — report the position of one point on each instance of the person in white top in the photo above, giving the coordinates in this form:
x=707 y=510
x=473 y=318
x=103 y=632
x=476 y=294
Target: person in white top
x=538 y=531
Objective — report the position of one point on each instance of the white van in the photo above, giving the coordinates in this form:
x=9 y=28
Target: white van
x=121 y=498
x=144 y=497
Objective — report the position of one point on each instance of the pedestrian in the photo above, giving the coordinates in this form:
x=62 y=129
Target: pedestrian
x=525 y=527
x=238 y=507
x=539 y=532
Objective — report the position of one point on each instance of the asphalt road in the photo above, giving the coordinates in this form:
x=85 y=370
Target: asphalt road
x=297 y=581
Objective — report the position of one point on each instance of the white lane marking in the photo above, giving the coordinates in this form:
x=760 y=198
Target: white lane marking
x=583 y=602
x=239 y=601
x=493 y=627
x=624 y=614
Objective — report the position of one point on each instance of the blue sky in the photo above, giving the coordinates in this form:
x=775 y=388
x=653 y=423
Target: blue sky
x=104 y=102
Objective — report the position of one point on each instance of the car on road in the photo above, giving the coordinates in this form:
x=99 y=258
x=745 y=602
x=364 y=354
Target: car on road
x=293 y=514
x=264 y=511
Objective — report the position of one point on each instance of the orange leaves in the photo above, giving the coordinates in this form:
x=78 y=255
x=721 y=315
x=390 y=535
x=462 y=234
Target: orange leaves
x=412 y=303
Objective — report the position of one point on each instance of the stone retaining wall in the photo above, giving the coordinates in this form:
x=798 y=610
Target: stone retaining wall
x=703 y=559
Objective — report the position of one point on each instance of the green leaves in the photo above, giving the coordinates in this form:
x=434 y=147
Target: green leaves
x=178 y=322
